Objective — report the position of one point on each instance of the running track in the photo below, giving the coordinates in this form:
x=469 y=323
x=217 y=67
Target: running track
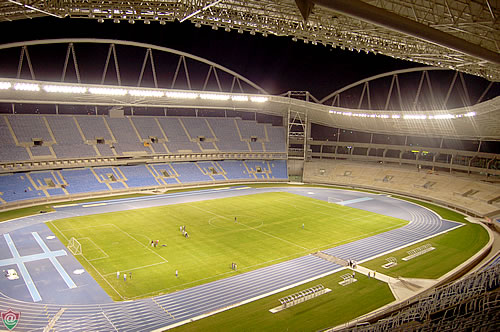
x=168 y=310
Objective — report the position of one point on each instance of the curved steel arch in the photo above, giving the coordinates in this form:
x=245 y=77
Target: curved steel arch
x=134 y=44
x=376 y=77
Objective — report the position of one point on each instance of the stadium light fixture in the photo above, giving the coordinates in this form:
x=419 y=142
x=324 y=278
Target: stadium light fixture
x=26 y=87
x=214 y=96
x=108 y=91
x=414 y=117
x=239 y=98
x=64 y=89
x=5 y=85
x=146 y=93
x=256 y=99
x=181 y=95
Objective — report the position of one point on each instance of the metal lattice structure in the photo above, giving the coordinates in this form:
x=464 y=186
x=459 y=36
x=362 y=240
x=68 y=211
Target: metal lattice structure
x=463 y=35
x=110 y=58
x=423 y=91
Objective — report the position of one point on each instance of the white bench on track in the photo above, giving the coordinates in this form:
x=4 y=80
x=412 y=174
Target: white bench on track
x=418 y=251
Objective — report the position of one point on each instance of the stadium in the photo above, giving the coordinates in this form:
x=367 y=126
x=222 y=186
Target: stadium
x=149 y=188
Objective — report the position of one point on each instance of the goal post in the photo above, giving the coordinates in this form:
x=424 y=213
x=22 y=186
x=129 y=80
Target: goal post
x=74 y=246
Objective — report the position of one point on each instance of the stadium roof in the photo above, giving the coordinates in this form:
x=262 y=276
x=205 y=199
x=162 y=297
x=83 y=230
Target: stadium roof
x=463 y=35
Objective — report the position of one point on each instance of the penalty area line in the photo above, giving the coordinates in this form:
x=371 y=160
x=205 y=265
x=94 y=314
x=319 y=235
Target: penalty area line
x=135 y=268
x=253 y=228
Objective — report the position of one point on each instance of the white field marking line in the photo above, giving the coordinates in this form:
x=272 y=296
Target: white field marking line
x=211 y=223
x=95 y=244
x=346 y=215
x=216 y=276
x=58 y=230
x=255 y=229
x=103 y=278
x=134 y=268
x=142 y=244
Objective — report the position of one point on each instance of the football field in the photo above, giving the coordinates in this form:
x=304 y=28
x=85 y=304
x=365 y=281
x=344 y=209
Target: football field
x=251 y=231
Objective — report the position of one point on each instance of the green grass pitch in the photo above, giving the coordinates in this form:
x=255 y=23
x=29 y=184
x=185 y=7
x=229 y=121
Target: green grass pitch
x=268 y=230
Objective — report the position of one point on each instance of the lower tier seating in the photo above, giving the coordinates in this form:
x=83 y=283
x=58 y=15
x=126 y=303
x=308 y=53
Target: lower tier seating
x=23 y=187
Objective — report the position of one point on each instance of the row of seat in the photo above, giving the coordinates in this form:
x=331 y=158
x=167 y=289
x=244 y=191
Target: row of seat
x=16 y=187
x=470 y=193
x=36 y=137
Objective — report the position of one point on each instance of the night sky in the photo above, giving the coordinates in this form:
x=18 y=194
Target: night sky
x=278 y=64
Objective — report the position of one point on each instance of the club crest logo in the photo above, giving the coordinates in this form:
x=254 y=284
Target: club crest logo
x=10 y=319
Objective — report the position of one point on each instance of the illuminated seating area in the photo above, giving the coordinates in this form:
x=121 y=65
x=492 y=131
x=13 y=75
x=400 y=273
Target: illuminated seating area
x=468 y=193
x=106 y=180
x=51 y=137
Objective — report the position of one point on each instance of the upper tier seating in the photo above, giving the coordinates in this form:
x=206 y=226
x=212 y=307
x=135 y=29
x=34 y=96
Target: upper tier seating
x=90 y=136
x=275 y=144
x=227 y=135
x=197 y=127
x=8 y=149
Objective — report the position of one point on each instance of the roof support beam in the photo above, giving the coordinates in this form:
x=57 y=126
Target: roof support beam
x=366 y=12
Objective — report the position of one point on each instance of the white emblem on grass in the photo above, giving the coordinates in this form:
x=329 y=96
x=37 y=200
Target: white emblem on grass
x=78 y=271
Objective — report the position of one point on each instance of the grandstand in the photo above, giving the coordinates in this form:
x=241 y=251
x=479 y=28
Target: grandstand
x=76 y=140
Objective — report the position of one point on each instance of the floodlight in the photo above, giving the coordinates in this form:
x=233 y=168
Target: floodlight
x=414 y=117
x=181 y=95
x=100 y=20
x=259 y=99
x=5 y=85
x=441 y=116
x=213 y=96
x=116 y=20
x=64 y=89
x=239 y=98
x=27 y=87
x=108 y=91
x=147 y=21
x=146 y=93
